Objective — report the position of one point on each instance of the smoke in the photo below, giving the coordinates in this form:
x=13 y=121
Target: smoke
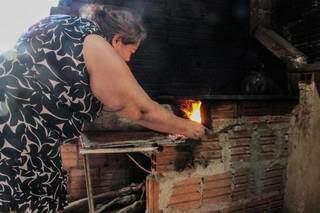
x=87 y=10
x=138 y=8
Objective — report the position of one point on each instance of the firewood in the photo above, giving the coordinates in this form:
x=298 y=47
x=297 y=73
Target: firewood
x=83 y=203
x=132 y=208
x=120 y=201
x=127 y=199
x=104 y=207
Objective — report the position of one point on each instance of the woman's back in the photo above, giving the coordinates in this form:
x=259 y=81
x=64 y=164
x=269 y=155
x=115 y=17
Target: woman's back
x=44 y=99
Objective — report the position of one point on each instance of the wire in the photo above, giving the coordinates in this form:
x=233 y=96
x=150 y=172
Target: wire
x=141 y=167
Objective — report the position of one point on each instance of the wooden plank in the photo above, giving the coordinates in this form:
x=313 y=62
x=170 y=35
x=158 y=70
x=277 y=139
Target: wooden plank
x=315 y=67
x=280 y=47
x=117 y=150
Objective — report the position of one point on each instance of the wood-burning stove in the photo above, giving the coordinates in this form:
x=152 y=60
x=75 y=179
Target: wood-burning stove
x=196 y=50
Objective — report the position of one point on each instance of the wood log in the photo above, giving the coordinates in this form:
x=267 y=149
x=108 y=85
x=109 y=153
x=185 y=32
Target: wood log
x=137 y=205
x=125 y=200
x=83 y=203
x=104 y=207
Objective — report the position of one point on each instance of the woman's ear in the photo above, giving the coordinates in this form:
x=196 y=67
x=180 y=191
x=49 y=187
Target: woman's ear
x=116 y=40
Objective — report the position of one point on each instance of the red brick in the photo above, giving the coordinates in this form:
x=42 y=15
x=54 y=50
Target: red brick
x=163 y=168
x=186 y=189
x=185 y=205
x=241 y=136
x=174 y=199
x=210 y=139
x=242 y=157
x=168 y=150
x=239 y=208
x=266 y=156
x=221 y=176
x=268 y=149
x=70 y=163
x=209 y=146
x=77 y=172
x=77 y=194
x=152 y=194
x=94 y=163
x=216 y=192
x=209 y=155
x=106 y=183
x=241 y=187
x=217 y=200
x=224 y=110
x=273 y=180
x=101 y=189
x=272 y=188
x=69 y=155
x=274 y=173
x=278 y=119
x=241 y=179
x=189 y=181
x=240 y=150
x=267 y=139
x=217 y=184
x=165 y=159
x=241 y=172
x=79 y=183
x=69 y=148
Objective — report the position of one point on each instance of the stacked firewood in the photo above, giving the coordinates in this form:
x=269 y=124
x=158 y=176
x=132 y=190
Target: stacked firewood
x=127 y=199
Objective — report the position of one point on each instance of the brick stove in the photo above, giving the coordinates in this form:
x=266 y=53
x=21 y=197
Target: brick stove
x=241 y=167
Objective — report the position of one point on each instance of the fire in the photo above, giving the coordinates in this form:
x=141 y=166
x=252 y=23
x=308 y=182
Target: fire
x=192 y=110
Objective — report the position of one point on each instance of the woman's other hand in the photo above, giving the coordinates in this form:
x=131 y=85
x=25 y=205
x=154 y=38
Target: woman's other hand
x=194 y=130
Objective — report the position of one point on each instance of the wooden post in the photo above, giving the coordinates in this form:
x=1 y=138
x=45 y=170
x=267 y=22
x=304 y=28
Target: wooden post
x=88 y=183
x=88 y=178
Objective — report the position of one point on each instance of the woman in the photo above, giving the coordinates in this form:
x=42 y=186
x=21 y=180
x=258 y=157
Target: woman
x=59 y=75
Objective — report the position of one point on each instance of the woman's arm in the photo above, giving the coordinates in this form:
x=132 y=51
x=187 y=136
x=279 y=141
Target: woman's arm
x=115 y=86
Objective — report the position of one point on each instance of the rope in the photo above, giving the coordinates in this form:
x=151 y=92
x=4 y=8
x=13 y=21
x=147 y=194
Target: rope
x=141 y=167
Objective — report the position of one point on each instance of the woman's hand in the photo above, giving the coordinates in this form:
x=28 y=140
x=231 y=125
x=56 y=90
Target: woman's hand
x=194 y=130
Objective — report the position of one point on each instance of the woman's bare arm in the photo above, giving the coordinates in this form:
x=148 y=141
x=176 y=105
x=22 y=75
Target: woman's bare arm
x=115 y=86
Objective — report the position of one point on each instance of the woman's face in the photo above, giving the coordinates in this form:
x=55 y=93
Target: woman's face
x=124 y=50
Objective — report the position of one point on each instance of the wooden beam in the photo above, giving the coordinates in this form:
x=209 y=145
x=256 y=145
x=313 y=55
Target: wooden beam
x=280 y=47
x=315 y=67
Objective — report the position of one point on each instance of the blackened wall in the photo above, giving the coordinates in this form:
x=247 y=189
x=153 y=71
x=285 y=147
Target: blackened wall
x=193 y=47
x=300 y=25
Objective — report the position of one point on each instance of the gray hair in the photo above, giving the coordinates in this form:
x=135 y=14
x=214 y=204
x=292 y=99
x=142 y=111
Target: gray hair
x=114 y=21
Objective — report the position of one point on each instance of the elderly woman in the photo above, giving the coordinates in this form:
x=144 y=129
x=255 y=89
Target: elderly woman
x=59 y=75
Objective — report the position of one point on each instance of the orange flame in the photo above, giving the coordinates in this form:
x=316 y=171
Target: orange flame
x=192 y=110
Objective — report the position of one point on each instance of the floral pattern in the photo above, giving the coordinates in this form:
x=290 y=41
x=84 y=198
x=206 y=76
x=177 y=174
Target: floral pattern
x=45 y=98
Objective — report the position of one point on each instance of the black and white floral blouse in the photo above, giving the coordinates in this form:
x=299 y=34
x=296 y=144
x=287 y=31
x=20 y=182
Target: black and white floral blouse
x=45 y=98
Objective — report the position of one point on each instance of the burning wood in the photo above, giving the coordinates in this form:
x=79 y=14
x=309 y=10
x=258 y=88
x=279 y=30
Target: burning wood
x=191 y=109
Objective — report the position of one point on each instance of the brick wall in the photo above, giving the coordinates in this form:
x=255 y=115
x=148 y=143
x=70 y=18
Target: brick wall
x=241 y=168
x=108 y=172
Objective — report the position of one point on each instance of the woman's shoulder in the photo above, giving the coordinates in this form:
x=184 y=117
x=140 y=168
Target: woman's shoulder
x=62 y=23
x=65 y=22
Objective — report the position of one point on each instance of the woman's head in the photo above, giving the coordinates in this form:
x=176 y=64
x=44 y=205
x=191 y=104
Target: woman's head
x=123 y=30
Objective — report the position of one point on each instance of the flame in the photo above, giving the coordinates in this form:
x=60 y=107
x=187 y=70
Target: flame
x=192 y=110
